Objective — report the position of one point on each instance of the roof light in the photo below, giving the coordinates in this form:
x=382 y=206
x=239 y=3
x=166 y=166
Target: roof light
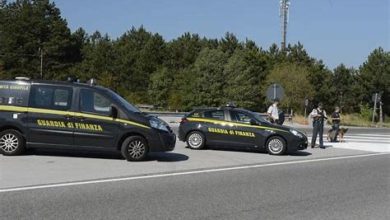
x=22 y=78
x=91 y=82
x=73 y=80
x=231 y=105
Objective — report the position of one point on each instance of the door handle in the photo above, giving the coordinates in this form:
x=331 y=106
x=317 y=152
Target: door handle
x=81 y=118
x=68 y=117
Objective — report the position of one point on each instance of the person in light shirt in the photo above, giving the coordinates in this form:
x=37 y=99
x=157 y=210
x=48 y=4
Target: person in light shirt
x=273 y=112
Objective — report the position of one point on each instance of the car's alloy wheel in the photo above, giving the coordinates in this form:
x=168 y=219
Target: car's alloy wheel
x=11 y=142
x=135 y=148
x=195 y=140
x=276 y=146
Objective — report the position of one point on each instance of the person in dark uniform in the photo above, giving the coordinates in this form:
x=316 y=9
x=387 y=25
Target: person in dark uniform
x=335 y=124
x=318 y=115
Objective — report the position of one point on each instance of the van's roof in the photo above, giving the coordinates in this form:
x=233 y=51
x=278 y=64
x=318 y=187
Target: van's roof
x=55 y=82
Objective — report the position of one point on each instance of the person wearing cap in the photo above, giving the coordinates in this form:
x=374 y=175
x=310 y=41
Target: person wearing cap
x=318 y=115
x=273 y=112
x=335 y=123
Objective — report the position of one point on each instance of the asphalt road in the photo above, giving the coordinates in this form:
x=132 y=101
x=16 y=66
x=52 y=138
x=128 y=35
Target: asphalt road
x=40 y=167
x=349 y=188
x=345 y=181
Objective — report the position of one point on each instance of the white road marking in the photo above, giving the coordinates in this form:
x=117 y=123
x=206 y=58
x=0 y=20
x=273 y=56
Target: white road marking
x=368 y=138
x=370 y=135
x=378 y=142
x=183 y=173
x=361 y=138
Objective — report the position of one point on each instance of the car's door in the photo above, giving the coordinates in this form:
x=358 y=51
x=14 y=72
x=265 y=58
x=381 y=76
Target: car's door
x=49 y=117
x=94 y=126
x=245 y=132
x=215 y=126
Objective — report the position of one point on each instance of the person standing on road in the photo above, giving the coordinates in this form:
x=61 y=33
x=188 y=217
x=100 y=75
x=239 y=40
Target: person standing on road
x=335 y=123
x=318 y=115
x=273 y=112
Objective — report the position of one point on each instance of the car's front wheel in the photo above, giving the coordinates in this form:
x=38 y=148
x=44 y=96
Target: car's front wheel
x=135 y=148
x=11 y=142
x=196 y=140
x=276 y=145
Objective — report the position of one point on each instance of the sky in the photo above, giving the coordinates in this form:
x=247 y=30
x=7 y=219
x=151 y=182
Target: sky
x=335 y=31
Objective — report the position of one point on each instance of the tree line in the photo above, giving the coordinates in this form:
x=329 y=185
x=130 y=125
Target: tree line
x=185 y=72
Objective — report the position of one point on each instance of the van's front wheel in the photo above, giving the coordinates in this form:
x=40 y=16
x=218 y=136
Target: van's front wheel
x=135 y=148
x=11 y=142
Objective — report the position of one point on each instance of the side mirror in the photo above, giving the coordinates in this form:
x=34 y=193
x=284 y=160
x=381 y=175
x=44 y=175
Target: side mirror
x=114 y=112
x=253 y=122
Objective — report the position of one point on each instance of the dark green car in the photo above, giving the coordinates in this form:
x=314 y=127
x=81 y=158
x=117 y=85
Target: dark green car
x=238 y=128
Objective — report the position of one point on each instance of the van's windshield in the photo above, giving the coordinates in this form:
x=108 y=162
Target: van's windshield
x=125 y=103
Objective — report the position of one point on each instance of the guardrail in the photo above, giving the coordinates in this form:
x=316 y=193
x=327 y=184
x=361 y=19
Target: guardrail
x=167 y=114
x=182 y=114
x=287 y=117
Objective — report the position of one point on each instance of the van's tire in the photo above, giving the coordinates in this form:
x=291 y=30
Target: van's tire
x=11 y=142
x=196 y=140
x=276 y=145
x=135 y=148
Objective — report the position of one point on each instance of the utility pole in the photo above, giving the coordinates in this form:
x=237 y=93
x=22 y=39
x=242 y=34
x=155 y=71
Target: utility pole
x=380 y=113
x=374 y=110
x=41 y=56
x=283 y=13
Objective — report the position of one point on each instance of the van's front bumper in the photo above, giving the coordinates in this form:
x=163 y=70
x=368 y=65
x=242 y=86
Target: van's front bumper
x=162 y=141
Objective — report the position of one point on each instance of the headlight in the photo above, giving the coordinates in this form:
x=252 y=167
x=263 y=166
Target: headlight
x=296 y=133
x=158 y=124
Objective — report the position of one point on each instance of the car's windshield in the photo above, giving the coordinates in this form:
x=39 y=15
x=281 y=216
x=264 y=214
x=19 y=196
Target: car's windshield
x=125 y=103
x=243 y=115
x=259 y=117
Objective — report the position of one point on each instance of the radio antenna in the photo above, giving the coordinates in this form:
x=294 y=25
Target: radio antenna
x=283 y=13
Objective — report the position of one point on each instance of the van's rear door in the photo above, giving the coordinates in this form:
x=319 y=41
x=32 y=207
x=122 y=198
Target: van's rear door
x=50 y=120
x=13 y=104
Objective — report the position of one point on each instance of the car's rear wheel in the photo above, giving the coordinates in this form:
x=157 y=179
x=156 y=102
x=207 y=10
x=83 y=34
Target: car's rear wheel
x=135 y=148
x=196 y=140
x=11 y=142
x=276 y=145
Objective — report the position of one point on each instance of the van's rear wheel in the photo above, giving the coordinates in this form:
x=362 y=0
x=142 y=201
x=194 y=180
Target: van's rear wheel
x=276 y=145
x=196 y=140
x=135 y=148
x=11 y=142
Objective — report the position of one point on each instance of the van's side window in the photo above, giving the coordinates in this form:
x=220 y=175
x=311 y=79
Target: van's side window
x=49 y=97
x=91 y=101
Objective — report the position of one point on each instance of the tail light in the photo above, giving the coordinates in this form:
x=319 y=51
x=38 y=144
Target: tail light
x=183 y=120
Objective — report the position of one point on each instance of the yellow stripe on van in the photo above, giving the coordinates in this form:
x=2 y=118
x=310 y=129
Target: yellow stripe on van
x=231 y=124
x=58 y=112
